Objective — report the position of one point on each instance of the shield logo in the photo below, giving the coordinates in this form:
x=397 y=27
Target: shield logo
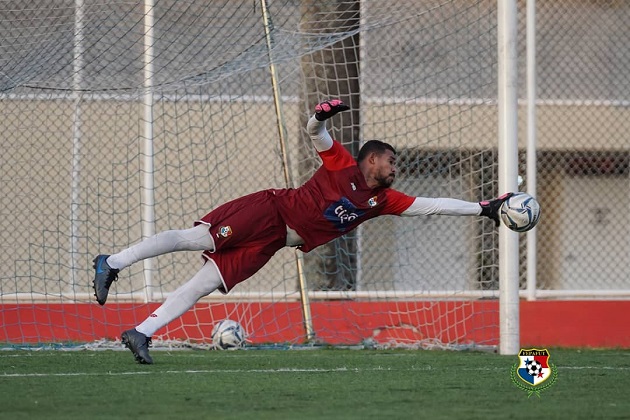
x=533 y=367
x=225 y=231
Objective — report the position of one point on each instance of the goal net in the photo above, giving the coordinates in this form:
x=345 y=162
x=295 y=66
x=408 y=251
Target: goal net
x=122 y=119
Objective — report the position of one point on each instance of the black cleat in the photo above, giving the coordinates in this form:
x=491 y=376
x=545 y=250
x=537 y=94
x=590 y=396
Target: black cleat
x=103 y=278
x=139 y=344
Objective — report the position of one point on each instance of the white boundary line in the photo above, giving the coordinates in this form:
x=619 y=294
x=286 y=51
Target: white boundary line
x=212 y=371
x=290 y=370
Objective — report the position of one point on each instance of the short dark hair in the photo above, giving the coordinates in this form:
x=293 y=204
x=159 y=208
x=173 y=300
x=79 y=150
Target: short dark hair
x=374 y=146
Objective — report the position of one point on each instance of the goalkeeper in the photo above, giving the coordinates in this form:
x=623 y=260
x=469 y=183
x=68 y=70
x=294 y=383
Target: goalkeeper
x=238 y=238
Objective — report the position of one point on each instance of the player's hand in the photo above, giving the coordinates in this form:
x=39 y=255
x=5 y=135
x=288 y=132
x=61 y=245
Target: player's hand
x=327 y=109
x=490 y=208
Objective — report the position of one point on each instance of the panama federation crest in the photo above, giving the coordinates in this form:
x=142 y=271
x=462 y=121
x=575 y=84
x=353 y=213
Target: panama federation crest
x=225 y=231
x=533 y=373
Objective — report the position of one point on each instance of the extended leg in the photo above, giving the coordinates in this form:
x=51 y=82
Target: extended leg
x=207 y=280
x=193 y=239
x=108 y=266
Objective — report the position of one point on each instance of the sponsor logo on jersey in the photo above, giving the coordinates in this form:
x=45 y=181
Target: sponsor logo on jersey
x=372 y=201
x=342 y=213
x=354 y=187
x=225 y=231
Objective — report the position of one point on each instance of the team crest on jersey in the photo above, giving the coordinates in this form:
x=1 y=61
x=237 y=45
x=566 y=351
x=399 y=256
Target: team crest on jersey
x=533 y=373
x=225 y=231
x=372 y=201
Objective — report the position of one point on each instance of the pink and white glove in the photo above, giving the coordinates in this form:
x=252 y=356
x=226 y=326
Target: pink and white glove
x=327 y=109
x=490 y=208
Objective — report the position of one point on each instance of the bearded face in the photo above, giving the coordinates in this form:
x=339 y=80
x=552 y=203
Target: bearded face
x=385 y=169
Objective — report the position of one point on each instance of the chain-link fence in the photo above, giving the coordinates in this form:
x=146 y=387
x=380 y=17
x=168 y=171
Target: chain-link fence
x=119 y=119
x=582 y=122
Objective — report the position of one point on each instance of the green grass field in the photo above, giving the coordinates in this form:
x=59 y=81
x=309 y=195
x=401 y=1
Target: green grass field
x=307 y=384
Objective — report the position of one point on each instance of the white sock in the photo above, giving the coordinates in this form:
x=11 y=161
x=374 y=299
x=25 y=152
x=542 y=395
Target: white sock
x=194 y=239
x=206 y=281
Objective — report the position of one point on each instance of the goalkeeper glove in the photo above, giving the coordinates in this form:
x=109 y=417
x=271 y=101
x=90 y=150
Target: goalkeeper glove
x=490 y=208
x=327 y=109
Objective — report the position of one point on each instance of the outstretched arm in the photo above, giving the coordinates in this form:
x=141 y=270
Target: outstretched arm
x=316 y=126
x=454 y=207
x=423 y=206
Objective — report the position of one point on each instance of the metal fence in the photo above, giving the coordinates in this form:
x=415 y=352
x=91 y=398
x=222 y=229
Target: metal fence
x=77 y=79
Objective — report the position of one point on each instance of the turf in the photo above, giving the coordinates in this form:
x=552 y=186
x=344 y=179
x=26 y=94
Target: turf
x=307 y=384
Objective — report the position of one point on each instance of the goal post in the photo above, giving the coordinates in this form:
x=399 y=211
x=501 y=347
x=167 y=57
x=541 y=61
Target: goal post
x=508 y=174
x=148 y=179
x=179 y=114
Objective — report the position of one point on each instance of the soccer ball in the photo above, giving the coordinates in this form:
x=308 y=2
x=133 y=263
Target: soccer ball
x=533 y=368
x=228 y=334
x=520 y=212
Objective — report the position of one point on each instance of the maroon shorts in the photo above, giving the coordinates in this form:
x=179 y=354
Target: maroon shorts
x=247 y=232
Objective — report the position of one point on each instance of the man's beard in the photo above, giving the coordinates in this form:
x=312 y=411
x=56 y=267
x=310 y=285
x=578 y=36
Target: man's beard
x=386 y=181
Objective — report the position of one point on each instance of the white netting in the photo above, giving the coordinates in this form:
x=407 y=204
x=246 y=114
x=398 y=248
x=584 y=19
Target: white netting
x=75 y=78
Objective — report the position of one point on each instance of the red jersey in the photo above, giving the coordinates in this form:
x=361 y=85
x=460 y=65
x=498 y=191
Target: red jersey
x=335 y=200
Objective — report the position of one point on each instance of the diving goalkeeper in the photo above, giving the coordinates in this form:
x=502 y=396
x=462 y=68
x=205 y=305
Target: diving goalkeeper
x=239 y=237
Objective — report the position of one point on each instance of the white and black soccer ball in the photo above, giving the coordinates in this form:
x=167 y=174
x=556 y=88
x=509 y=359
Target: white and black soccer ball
x=534 y=368
x=228 y=334
x=520 y=212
